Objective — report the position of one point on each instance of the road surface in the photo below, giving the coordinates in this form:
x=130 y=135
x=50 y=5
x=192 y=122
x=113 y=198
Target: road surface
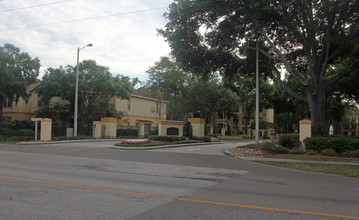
x=90 y=180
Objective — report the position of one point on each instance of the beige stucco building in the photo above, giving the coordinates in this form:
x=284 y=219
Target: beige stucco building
x=139 y=108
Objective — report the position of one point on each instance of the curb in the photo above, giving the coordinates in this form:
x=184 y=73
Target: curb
x=66 y=141
x=298 y=161
x=163 y=146
x=258 y=159
x=228 y=153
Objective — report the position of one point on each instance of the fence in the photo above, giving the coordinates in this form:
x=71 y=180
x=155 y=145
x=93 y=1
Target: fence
x=127 y=131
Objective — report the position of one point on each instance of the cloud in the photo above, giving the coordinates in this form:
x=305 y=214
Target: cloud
x=127 y=43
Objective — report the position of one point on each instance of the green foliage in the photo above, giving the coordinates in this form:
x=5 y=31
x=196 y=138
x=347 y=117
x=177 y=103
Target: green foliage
x=273 y=148
x=328 y=152
x=17 y=71
x=290 y=141
x=9 y=134
x=96 y=87
x=351 y=153
x=281 y=27
x=187 y=129
x=166 y=138
x=207 y=139
x=62 y=138
x=339 y=144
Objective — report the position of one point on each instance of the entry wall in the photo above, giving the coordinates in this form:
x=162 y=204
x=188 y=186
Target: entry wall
x=166 y=125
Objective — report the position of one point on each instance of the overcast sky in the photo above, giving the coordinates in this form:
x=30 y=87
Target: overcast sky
x=127 y=43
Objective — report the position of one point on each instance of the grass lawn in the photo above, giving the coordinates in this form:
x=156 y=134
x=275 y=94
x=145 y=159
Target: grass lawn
x=314 y=157
x=352 y=171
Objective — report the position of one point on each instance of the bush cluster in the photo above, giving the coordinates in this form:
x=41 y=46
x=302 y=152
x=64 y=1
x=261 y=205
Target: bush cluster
x=166 y=138
x=289 y=141
x=339 y=144
x=61 y=138
x=278 y=149
x=9 y=134
x=187 y=129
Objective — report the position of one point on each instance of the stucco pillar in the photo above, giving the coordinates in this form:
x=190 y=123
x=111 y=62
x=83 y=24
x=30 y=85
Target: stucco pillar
x=96 y=132
x=197 y=126
x=141 y=130
x=46 y=125
x=110 y=127
x=304 y=131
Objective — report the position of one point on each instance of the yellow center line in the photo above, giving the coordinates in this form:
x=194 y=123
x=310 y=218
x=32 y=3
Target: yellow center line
x=181 y=199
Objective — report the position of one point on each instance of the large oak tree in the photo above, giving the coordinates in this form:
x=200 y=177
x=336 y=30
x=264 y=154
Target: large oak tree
x=17 y=71
x=302 y=37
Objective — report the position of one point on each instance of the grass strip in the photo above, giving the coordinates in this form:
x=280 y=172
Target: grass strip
x=352 y=171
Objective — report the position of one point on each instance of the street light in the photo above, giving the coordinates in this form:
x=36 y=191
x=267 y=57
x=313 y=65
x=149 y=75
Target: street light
x=77 y=87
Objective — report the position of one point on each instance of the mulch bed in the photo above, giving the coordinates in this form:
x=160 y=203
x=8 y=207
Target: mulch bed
x=249 y=152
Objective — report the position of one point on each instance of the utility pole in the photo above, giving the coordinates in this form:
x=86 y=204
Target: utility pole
x=257 y=94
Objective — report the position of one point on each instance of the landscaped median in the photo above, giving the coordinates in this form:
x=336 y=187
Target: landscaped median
x=325 y=159
x=160 y=141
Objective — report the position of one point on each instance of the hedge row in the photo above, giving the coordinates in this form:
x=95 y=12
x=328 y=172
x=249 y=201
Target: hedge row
x=177 y=139
x=339 y=144
x=16 y=138
x=8 y=132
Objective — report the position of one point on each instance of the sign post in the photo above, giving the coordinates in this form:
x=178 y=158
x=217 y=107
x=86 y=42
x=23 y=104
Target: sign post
x=36 y=120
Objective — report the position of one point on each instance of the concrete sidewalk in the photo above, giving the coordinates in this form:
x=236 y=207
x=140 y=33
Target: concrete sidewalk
x=291 y=160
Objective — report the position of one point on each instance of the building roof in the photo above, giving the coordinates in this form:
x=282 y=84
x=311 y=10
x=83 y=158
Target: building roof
x=31 y=87
x=136 y=93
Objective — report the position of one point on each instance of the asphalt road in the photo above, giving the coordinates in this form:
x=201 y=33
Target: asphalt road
x=90 y=180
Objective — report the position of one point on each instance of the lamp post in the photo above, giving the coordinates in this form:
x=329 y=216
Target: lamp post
x=257 y=94
x=77 y=87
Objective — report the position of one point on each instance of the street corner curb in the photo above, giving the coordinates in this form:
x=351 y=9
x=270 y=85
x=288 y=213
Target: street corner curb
x=228 y=153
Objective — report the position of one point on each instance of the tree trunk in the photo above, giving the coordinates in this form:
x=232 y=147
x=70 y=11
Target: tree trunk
x=315 y=104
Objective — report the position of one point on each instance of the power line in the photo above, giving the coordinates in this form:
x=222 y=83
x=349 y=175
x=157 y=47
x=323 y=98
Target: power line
x=34 y=6
x=82 y=19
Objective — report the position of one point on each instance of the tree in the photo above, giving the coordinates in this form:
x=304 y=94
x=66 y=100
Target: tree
x=169 y=80
x=288 y=111
x=187 y=129
x=17 y=71
x=96 y=87
x=301 y=37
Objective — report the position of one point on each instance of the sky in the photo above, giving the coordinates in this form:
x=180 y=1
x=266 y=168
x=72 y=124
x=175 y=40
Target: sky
x=123 y=33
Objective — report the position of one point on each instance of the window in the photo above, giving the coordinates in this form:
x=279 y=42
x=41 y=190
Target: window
x=7 y=103
x=128 y=105
x=157 y=108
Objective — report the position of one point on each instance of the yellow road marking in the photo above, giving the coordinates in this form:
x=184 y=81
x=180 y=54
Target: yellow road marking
x=181 y=199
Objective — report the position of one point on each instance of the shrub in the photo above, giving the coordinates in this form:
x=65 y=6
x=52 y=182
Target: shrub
x=25 y=132
x=329 y=152
x=339 y=144
x=7 y=132
x=351 y=153
x=166 y=138
x=273 y=148
x=290 y=141
x=196 y=138
x=187 y=129
x=207 y=139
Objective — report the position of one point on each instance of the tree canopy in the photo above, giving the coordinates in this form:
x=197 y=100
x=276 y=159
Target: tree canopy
x=96 y=87
x=17 y=71
x=188 y=93
x=303 y=38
